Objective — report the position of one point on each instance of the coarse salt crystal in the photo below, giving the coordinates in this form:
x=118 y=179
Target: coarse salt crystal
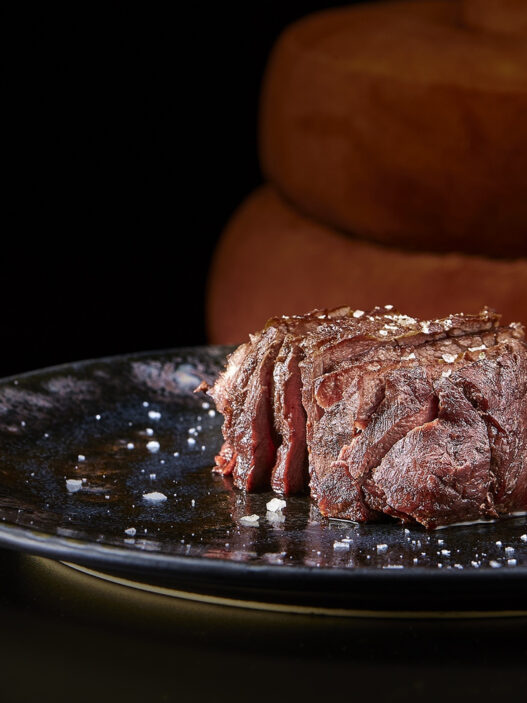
x=191 y=441
x=523 y=538
x=449 y=358
x=81 y=457
x=212 y=413
x=447 y=373
x=154 y=497
x=382 y=548
x=153 y=446
x=511 y=562
x=275 y=505
x=275 y=518
x=130 y=531
x=358 y=313
x=130 y=445
x=73 y=485
x=145 y=403
x=405 y=320
x=154 y=414
x=149 y=431
x=205 y=405
x=388 y=307
x=509 y=551
x=250 y=520
x=495 y=564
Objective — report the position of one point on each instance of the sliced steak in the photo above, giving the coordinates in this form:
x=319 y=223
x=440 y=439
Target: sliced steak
x=385 y=415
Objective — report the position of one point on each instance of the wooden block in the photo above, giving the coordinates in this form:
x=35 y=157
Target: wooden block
x=397 y=122
x=271 y=260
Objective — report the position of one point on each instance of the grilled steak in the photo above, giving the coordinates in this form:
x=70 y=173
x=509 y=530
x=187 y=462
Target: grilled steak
x=379 y=414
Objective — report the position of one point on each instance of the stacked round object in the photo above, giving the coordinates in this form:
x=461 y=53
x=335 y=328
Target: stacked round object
x=394 y=139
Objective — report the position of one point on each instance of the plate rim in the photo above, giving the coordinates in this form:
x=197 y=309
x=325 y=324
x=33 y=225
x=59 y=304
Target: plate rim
x=45 y=544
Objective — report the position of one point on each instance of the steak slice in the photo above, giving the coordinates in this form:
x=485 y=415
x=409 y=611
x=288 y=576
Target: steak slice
x=244 y=393
x=409 y=400
x=439 y=472
x=252 y=435
x=497 y=387
x=289 y=474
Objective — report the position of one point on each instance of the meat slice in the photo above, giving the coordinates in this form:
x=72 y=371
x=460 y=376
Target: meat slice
x=252 y=434
x=409 y=400
x=439 y=472
x=497 y=387
x=244 y=393
x=289 y=473
x=383 y=414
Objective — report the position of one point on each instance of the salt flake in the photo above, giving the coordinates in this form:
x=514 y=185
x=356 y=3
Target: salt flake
x=154 y=497
x=73 y=485
x=449 y=358
x=275 y=505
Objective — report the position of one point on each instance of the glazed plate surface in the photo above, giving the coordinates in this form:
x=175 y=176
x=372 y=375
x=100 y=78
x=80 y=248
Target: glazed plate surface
x=83 y=444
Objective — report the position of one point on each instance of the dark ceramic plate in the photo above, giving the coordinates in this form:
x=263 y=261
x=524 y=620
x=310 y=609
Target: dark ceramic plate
x=125 y=427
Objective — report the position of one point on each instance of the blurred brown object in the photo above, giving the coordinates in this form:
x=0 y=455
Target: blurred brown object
x=507 y=16
x=404 y=123
x=271 y=260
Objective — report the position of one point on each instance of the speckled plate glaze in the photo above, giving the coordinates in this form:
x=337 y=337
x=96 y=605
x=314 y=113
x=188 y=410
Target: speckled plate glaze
x=125 y=427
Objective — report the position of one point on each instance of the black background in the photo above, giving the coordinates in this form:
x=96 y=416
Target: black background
x=130 y=139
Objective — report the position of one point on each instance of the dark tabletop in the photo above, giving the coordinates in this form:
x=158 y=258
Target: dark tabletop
x=66 y=636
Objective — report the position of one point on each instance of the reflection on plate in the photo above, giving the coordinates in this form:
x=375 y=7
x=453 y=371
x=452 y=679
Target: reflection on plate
x=83 y=444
